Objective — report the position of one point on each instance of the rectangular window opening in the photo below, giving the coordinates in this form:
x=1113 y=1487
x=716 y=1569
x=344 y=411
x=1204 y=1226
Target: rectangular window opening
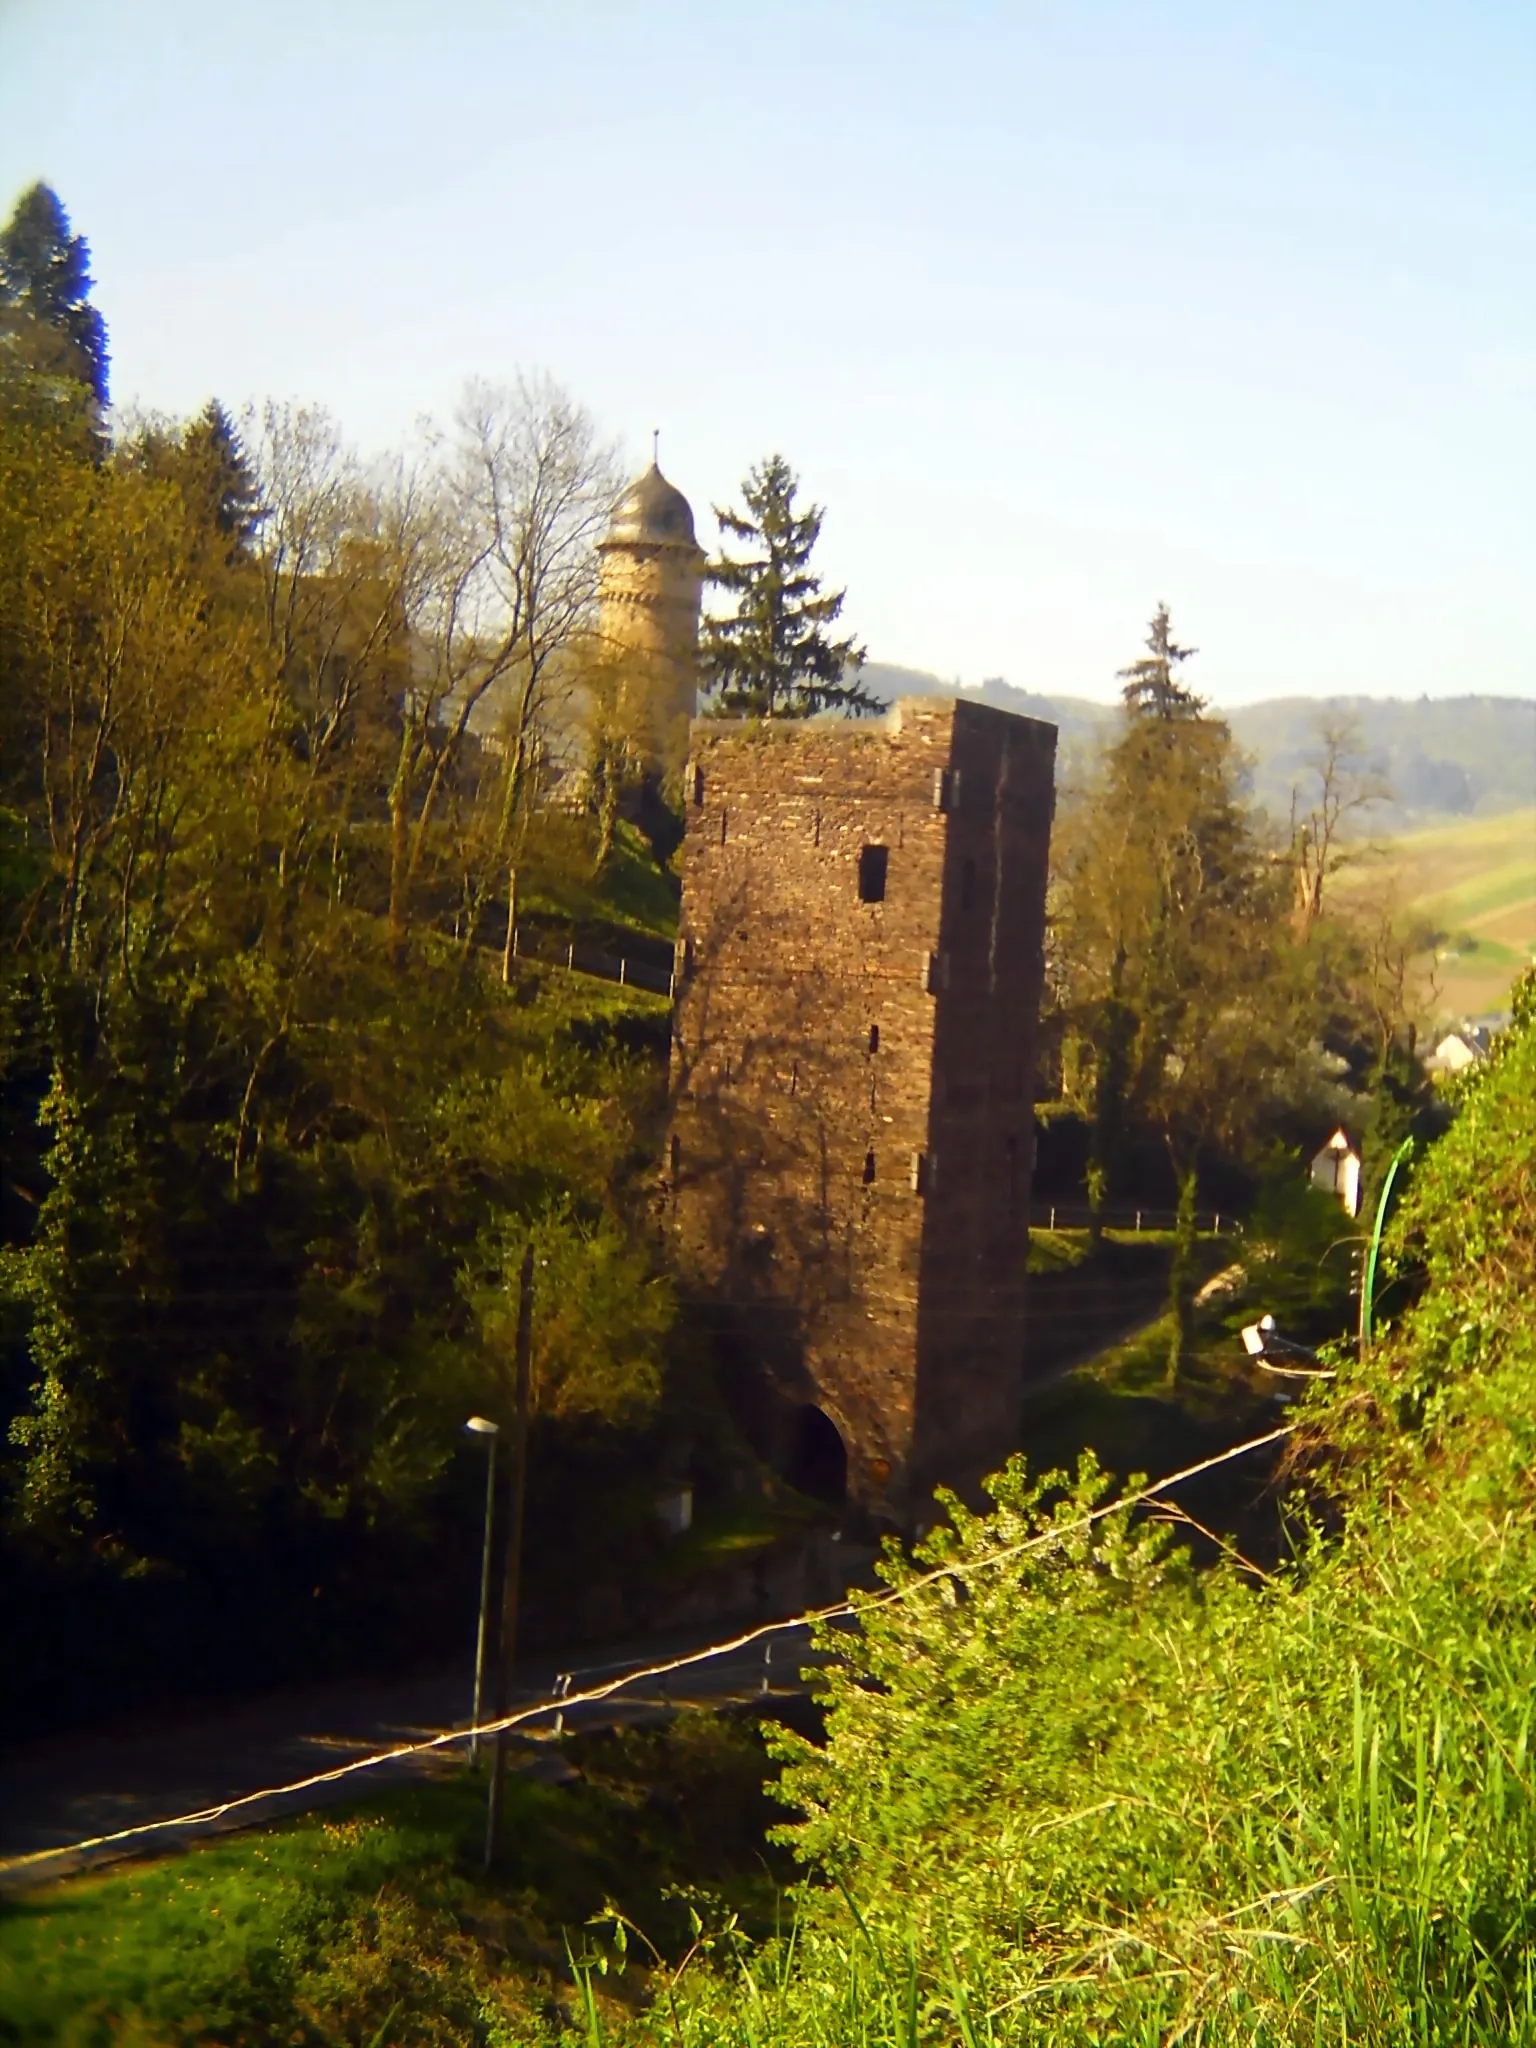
x=874 y=1037
x=698 y=788
x=873 y=862
x=869 y=1168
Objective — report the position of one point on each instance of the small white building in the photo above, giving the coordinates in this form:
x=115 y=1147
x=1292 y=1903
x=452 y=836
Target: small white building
x=1458 y=1050
x=1337 y=1168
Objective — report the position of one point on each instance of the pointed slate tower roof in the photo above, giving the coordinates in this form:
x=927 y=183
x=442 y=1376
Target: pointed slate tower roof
x=652 y=513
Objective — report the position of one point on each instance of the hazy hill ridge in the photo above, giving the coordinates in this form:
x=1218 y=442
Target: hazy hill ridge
x=1444 y=757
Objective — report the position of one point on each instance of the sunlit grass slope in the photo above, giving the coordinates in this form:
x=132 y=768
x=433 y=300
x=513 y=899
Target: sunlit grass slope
x=1474 y=884
x=1075 y=1793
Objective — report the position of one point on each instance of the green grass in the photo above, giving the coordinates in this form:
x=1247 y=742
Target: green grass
x=1473 y=881
x=558 y=880
x=1056 y=1251
x=737 y=1529
x=1120 y=1406
x=1076 y=1794
x=373 y=1923
x=559 y=999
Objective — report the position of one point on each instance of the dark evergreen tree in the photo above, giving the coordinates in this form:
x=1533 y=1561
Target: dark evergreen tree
x=45 y=278
x=1150 y=685
x=774 y=656
x=221 y=477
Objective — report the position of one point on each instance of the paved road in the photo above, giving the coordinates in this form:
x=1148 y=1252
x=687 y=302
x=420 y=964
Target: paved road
x=67 y=1788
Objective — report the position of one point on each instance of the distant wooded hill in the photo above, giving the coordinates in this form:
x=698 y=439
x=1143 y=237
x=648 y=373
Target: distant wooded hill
x=1443 y=757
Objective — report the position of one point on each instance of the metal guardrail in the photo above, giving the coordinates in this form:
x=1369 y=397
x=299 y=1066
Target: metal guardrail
x=627 y=971
x=764 y=1683
x=1076 y=1216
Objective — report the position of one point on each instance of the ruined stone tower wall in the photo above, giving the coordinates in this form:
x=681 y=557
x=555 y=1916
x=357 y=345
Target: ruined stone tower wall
x=853 y=1066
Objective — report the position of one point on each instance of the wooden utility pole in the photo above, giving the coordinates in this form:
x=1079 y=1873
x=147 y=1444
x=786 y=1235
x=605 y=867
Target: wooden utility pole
x=511 y=1584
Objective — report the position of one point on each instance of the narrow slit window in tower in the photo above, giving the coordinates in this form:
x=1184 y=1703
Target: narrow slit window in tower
x=874 y=1037
x=698 y=788
x=873 y=862
x=869 y=1168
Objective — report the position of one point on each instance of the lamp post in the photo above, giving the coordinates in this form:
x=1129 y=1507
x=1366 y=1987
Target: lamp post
x=477 y=1425
x=512 y=1571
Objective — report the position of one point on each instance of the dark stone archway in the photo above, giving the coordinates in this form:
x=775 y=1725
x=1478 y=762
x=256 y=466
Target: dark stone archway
x=818 y=1457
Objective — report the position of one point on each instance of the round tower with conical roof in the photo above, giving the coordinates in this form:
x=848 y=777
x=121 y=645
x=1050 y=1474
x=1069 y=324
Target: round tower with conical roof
x=652 y=579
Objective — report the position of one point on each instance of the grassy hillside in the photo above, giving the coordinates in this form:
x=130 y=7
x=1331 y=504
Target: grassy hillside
x=1442 y=758
x=1075 y=1793
x=1473 y=885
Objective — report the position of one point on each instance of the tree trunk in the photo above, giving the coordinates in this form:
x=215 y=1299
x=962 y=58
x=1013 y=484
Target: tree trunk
x=1183 y=1276
x=400 y=849
x=510 y=945
x=1098 y=1183
x=608 y=807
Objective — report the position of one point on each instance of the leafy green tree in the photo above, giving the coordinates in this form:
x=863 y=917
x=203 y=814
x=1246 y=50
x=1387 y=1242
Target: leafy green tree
x=1403 y=1104
x=249 y=1162
x=45 y=280
x=774 y=656
x=1181 y=991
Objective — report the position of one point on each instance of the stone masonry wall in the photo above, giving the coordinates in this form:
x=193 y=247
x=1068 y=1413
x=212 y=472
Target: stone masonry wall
x=852 y=1102
x=649 y=613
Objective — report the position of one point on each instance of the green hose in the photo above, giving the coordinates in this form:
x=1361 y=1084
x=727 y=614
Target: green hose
x=1368 y=1288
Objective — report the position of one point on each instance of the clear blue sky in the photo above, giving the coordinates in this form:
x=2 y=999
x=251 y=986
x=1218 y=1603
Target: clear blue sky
x=1059 y=309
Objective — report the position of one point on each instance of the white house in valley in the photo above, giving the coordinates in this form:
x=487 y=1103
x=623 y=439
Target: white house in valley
x=1337 y=1168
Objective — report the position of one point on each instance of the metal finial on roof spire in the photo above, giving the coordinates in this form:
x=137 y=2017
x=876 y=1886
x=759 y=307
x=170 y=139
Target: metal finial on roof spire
x=656 y=447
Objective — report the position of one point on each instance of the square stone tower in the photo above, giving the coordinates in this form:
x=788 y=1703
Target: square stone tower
x=847 y=1184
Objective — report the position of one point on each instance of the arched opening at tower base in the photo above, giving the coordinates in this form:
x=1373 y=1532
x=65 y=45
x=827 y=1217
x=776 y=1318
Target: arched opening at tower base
x=818 y=1457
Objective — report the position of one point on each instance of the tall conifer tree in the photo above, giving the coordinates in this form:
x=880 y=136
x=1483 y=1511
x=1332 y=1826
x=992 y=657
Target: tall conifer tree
x=1150 y=686
x=774 y=657
x=226 y=485
x=45 y=277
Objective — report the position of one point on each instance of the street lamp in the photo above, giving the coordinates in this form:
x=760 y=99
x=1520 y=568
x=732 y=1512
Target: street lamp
x=477 y=1425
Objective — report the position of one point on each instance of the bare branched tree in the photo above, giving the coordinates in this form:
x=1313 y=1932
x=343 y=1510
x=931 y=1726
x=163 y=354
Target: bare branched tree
x=1346 y=787
x=522 y=492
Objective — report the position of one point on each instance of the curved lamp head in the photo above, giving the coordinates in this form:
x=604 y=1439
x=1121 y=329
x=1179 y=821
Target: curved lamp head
x=478 y=1426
